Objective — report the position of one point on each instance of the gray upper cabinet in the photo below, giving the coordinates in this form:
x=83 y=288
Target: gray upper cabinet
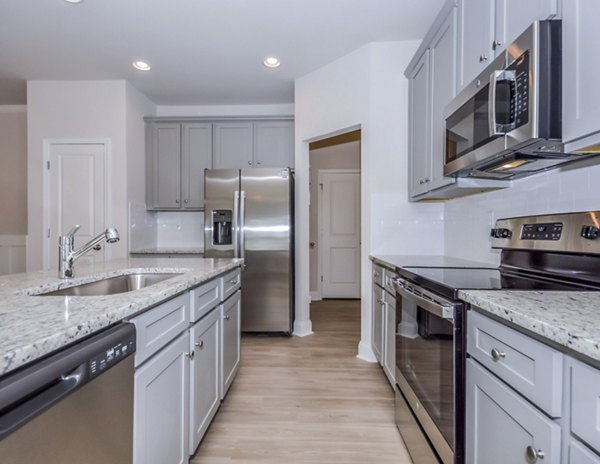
x=253 y=144
x=234 y=143
x=486 y=26
x=177 y=154
x=274 y=144
x=581 y=63
x=432 y=84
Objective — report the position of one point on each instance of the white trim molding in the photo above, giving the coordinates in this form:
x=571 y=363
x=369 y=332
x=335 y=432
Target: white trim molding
x=302 y=328
x=365 y=352
x=12 y=253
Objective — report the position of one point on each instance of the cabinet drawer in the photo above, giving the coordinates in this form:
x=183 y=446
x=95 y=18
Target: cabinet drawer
x=377 y=274
x=501 y=425
x=585 y=403
x=579 y=454
x=530 y=367
x=204 y=298
x=230 y=283
x=159 y=325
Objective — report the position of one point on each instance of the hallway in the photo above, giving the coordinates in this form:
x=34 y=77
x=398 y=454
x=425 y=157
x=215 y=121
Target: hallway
x=307 y=400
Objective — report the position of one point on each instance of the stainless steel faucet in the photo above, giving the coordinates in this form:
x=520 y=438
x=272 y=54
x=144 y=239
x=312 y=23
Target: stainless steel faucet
x=67 y=256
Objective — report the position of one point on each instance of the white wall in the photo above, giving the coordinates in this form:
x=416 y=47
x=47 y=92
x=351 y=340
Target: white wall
x=558 y=191
x=111 y=110
x=365 y=89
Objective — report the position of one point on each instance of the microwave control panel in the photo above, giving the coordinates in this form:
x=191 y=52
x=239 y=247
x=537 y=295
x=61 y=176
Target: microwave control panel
x=519 y=102
x=548 y=231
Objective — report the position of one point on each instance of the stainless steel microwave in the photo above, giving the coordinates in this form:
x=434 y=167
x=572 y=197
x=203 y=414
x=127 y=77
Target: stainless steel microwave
x=506 y=124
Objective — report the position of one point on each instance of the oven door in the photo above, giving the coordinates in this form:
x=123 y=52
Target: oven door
x=429 y=360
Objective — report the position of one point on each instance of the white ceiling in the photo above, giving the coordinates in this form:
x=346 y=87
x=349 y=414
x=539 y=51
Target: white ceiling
x=201 y=51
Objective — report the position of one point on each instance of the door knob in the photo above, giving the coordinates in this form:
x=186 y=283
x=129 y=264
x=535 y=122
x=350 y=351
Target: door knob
x=312 y=244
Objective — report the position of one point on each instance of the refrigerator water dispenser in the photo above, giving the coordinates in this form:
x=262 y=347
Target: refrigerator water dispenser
x=222 y=227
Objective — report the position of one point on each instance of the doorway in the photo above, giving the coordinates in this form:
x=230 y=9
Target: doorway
x=335 y=217
x=76 y=185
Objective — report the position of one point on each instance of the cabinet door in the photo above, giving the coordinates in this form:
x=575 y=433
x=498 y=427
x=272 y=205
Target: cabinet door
x=443 y=89
x=377 y=323
x=164 y=166
x=230 y=341
x=274 y=144
x=161 y=406
x=476 y=34
x=196 y=157
x=501 y=425
x=419 y=126
x=389 y=340
x=204 y=376
x=233 y=145
x=514 y=16
x=581 y=64
x=580 y=454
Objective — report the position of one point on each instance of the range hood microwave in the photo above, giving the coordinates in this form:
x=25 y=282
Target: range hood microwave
x=507 y=123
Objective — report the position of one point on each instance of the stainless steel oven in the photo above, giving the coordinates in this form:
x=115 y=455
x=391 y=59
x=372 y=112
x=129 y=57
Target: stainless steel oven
x=429 y=371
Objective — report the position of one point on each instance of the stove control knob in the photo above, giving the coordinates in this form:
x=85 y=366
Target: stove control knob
x=501 y=233
x=590 y=232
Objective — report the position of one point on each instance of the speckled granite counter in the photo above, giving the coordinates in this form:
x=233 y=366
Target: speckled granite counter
x=33 y=326
x=396 y=262
x=570 y=319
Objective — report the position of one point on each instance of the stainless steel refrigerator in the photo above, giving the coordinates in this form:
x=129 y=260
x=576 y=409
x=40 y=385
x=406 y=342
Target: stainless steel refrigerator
x=249 y=213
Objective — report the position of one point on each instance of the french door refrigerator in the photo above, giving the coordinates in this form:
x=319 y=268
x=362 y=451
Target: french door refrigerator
x=249 y=214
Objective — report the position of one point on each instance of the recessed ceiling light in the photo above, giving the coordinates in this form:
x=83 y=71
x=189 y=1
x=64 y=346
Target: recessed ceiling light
x=73 y=1
x=141 y=65
x=272 y=62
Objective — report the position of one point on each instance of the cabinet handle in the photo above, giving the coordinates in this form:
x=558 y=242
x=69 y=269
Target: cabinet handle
x=259 y=162
x=249 y=163
x=199 y=344
x=233 y=281
x=176 y=202
x=376 y=274
x=227 y=316
x=421 y=181
x=379 y=300
x=483 y=58
x=98 y=247
x=497 y=354
x=426 y=180
x=533 y=455
x=190 y=355
x=496 y=44
x=186 y=201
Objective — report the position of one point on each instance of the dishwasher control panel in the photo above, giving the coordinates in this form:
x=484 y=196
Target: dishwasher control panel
x=110 y=356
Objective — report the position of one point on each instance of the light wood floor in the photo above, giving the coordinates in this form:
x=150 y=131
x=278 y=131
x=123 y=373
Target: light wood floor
x=307 y=400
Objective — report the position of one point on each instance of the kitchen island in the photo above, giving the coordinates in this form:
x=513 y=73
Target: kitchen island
x=33 y=326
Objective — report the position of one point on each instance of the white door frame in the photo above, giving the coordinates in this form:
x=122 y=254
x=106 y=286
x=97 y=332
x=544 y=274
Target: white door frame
x=46 y=147
x=320 y=172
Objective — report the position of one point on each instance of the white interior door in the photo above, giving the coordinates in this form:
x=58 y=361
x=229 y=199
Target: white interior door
x=339 y=223
x=75 y=180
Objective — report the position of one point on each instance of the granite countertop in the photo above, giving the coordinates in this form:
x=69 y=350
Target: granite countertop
x=168 y=251
x=570 y=319
x=396 y=262
x=33 y=326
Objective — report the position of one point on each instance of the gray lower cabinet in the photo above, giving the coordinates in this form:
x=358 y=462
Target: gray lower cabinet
x=205 y=378
x=377 y=305
x=580 y=454
x=502 y=427
x=230 y=340
x=161 y=406
x=176 y=156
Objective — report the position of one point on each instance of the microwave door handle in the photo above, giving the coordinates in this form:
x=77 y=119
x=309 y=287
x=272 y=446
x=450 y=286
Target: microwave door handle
x=492 y=104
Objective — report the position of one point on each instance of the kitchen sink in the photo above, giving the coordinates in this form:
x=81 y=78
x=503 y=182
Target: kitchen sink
x=112 y=285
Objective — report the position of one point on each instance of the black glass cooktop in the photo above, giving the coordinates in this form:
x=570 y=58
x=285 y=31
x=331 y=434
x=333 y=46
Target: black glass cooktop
x=448 y=281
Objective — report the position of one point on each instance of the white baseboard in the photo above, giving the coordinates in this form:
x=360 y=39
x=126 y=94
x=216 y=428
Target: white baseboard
x=302 y=328
x=315 y=296
x=365 y=352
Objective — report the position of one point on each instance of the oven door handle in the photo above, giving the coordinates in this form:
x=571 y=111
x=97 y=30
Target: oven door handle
x=426 y=300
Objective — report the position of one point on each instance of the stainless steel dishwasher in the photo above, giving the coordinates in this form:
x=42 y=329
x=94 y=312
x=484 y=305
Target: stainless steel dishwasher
x=74 y=406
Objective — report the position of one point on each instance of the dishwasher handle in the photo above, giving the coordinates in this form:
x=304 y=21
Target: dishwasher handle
x=33 y=406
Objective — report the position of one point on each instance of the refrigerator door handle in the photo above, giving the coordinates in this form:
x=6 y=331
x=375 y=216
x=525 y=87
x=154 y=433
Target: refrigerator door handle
x=235 y=225
x=242 y=224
